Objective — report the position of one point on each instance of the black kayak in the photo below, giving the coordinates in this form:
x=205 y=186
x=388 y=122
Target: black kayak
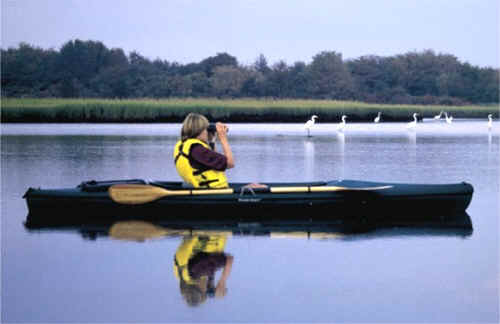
x=322 y=200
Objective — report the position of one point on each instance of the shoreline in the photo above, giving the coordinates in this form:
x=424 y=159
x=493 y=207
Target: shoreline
x=26 y=110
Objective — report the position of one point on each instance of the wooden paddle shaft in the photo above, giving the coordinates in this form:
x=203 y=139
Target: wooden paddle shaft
x=321 y=189
x=139 y=194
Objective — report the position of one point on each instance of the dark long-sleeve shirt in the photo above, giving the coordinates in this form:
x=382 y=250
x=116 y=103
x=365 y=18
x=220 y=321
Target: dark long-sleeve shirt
x=201 y=157
x=205 y=264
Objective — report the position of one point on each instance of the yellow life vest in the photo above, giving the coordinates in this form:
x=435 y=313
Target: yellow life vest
x=199 y=178
x=190 y=247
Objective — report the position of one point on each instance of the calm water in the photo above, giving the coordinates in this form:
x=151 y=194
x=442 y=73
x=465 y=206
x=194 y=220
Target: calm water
x=387 y=276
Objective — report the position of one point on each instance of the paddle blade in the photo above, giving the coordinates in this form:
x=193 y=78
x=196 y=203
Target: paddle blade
x=138 y=231
x=133 y=194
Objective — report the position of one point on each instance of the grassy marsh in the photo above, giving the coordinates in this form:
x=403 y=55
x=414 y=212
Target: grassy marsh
x=237 y=110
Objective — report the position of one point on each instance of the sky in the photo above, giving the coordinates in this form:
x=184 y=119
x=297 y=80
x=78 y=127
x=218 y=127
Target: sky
x=188 y=31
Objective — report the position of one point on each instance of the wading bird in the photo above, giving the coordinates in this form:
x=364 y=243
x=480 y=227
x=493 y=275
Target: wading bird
x=412 y=124
x=448 y=119
x=341 y=125
x=309 y=124
x=438 y=116
x=490 y=121
x=377 y=119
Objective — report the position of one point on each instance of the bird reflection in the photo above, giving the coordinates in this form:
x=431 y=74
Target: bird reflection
x=411 y=136
x=341 y=149
x=489 y=144
x=309 y=159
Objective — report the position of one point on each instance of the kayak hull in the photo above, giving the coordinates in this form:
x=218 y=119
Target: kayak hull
x=91 y=200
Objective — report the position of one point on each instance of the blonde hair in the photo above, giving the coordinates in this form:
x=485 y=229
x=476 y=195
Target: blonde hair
x=193 y=125
x=192 y=294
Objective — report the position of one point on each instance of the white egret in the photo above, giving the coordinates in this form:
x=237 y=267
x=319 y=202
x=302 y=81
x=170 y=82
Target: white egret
x=448 y=119
x=438 y=116
x=341 y=126
x=309 y=124
x=377 y=119
x=490 y=121
x=413 y=123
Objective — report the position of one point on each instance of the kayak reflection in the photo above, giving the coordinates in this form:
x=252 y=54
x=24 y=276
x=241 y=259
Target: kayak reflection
x=138 y=230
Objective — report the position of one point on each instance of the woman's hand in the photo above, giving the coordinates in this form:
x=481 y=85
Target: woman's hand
x=221 y=129
x=222 y=134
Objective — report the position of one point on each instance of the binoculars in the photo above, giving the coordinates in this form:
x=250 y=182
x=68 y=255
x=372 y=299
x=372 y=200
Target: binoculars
x=212 y=129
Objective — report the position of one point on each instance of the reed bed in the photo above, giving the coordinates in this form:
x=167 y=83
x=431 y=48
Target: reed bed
x=228 y=110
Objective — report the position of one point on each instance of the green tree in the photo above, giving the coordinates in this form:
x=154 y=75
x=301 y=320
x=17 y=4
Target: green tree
x=27 y=70
x=209 y=64
x=260 y=65
x=227 y=81
x=81 y=59
x=181 y=86
x=113 y=82
x=200 y=83
x=254 y=85
x=370 y=76
x=278 y=80
x=329 y=78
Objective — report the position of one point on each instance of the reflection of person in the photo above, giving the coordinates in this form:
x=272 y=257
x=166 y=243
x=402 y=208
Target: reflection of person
x=196 y=261
x=196 y=161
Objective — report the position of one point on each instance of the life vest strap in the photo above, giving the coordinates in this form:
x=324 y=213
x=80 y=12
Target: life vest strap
x=207 y=182
x=181 y=153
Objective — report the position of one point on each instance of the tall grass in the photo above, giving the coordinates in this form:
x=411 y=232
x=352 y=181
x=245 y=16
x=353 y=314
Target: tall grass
x=240 y=110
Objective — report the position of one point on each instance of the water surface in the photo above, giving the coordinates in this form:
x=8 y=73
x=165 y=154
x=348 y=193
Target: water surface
x=390 y=275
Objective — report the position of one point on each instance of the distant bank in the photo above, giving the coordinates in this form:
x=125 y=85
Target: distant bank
x=14 y=110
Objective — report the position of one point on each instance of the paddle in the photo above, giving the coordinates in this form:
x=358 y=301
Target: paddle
x=141 y=231
x=134 y=194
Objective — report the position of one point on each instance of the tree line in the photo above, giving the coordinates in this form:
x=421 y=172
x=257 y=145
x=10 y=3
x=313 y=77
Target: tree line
x=89 y=69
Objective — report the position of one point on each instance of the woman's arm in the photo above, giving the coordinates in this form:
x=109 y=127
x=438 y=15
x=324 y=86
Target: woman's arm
x=220 y=289
x=222 y=133
x=201 y=157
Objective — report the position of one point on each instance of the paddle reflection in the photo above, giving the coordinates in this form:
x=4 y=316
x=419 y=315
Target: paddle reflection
x=137 y=231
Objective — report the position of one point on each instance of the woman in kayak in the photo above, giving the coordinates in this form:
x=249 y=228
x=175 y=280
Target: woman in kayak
x=195 y=159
